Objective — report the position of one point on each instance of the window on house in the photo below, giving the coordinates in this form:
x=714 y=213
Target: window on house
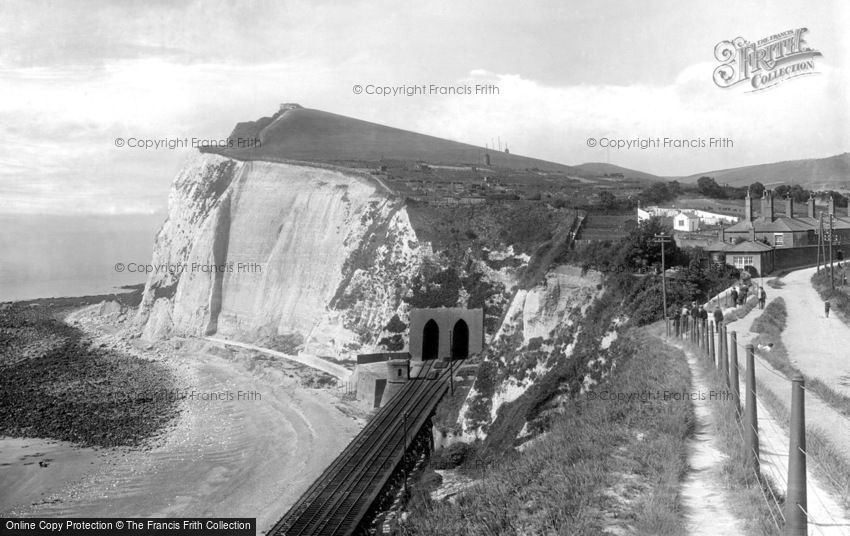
x=741 y=261
x=778 y=239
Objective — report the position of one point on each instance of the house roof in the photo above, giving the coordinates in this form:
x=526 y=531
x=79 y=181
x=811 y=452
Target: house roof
x=717 y=246
x=784 y=224
x=749 y=247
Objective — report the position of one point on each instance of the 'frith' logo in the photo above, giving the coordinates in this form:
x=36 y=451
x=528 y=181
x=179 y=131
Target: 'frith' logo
x=766 y=62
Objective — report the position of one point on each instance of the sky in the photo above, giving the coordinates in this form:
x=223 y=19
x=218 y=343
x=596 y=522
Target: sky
x=74 y=76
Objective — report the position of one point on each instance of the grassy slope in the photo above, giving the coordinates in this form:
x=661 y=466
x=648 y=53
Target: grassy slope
x=601 y=168
x=598 y=458
x=813 y=172
x=314 y=135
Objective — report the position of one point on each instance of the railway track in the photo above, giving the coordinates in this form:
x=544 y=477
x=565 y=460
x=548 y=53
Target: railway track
x=337 y=501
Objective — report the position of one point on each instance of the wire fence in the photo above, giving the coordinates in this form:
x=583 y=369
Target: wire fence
x=716 y=345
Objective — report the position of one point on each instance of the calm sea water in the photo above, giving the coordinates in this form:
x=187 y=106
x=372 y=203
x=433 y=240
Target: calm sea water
x=59 y=256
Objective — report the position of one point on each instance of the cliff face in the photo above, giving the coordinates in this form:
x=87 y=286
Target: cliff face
x=539 y=332
x=260 y=251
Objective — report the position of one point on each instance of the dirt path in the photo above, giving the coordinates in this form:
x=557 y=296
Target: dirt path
x=832 y=425
x=342 y=373
x=817 y=345
x=825 y=508
x=702 y=492
x=249 y=456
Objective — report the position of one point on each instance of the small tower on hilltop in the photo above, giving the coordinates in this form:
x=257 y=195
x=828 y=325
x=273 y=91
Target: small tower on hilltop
x=286 y=106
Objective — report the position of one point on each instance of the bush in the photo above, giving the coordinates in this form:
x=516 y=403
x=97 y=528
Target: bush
x=395 y=325
x=394 y=343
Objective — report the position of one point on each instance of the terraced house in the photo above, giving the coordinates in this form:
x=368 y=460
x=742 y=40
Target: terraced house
x=775 y=241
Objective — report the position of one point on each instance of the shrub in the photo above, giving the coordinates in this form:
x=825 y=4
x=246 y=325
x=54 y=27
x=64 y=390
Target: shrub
x=395 y=325
x=393 y=343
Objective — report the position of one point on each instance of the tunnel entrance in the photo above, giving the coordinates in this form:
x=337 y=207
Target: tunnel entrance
x=460 y=340
x=430 y=340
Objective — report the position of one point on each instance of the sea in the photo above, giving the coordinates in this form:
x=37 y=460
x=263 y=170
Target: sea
x=53 y=256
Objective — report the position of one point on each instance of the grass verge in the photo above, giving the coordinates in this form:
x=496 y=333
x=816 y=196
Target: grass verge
x=742 y=311
x=838 y=296
x=775 y=283
x=603 y=465
x=829 y=465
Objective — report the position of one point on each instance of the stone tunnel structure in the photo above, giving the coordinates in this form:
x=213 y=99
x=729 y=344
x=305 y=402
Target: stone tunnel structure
x=446 y=332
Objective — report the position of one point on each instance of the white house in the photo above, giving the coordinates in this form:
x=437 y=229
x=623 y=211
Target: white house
x=686 y=222
x=703 y=217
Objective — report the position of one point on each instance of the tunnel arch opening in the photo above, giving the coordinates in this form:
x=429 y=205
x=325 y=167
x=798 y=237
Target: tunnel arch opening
x=460 y=340
x=430 y=340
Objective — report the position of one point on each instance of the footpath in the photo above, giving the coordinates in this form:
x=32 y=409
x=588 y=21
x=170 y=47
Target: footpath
x=827 y=514
x=342 y=373
x=817 y=346
x=704 y=499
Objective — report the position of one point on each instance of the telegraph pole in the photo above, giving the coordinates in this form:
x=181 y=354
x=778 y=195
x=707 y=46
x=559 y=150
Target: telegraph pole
x=452 y=375
x=831 y=275
x=404 y=452
x=661 y=238
x=820 y=242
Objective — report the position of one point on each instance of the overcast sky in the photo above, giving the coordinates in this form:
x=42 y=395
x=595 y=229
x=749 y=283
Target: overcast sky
x=76 y=75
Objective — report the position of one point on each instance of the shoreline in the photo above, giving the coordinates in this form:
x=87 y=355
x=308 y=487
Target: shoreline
x=127 y=294
x=215 y=457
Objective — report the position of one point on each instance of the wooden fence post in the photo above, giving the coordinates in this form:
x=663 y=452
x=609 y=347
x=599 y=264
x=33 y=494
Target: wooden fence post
x=733 y=371
x=751 y=419
x=724 y=358
x=796 y=522
x=711 y=344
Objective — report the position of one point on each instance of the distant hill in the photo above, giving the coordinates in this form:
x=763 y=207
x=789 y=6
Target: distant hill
x=601 y=169
x=304 y=134
x=813 y=173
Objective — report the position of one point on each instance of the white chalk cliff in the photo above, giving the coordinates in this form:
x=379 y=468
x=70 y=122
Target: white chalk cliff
x=333 y=256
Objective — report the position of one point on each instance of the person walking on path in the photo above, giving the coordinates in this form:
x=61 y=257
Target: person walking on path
x=734 y=295
x=744 y=292
x=762 y=298
x=718 y=316
x=826 y=307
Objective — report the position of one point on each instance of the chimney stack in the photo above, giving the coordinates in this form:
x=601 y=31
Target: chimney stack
x=748 y=207
x=831 y=206
x=789 y=207
x=810 y=207
x=767 y=205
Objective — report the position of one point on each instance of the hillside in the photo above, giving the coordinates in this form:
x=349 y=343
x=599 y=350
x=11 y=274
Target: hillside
x=316 y=136
x=813 y=173
x=602 y=169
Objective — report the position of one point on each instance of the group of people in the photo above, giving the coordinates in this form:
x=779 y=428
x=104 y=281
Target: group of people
x=738 y=294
